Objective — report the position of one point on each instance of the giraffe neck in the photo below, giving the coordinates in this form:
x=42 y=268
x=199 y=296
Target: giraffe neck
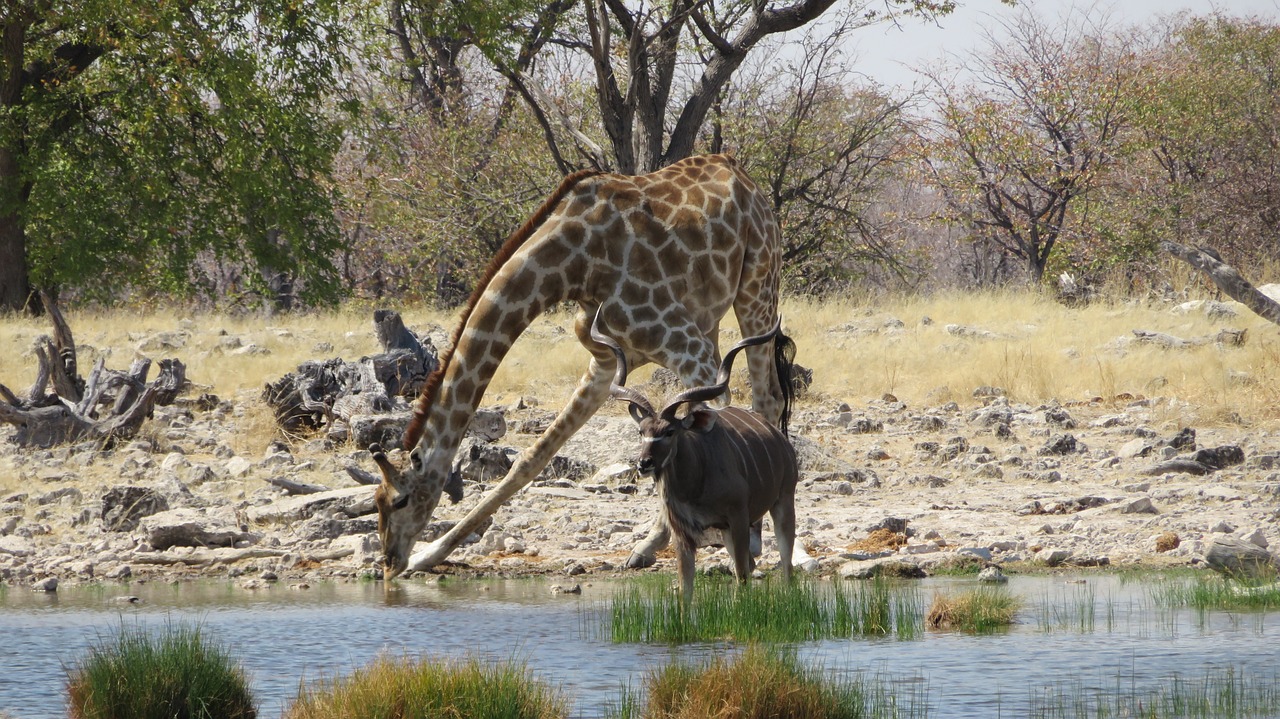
x=486 y=338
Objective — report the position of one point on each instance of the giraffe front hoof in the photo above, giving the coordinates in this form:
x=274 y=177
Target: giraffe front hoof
x=639 y=561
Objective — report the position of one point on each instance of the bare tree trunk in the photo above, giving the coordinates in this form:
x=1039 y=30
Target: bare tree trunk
x=14 y=287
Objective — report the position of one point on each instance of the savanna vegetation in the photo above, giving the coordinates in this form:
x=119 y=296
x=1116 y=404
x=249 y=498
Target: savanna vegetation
x=137 y=674
x=274 y=154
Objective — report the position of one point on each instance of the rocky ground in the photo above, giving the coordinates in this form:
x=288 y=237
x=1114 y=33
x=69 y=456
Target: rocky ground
x=1103 y=482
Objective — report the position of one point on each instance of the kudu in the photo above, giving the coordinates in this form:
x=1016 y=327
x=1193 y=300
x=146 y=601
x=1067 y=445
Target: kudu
x=716 y=468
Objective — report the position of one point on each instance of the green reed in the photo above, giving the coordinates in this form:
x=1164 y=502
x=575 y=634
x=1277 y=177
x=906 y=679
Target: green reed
x=1220 y=694
x=1212 y=592
x=1075 y=612
x=136 y=675
x=426 y=688
x=764 y=611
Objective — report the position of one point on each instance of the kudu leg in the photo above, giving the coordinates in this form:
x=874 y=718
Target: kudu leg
x=738 y=542
x=784 y=532
x=684 y=567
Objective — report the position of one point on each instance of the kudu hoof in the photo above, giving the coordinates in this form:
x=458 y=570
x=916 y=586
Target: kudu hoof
x=639 y=561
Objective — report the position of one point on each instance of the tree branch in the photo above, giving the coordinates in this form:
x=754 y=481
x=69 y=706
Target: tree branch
x=1226 y=278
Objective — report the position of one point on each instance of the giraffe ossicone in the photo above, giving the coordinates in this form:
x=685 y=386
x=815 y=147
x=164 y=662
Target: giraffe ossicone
x=660 y=257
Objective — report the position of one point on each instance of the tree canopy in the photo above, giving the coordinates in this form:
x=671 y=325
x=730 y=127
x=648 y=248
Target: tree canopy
x=168 y=147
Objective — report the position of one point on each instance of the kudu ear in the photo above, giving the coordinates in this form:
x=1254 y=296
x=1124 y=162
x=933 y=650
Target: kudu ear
x=701 y=420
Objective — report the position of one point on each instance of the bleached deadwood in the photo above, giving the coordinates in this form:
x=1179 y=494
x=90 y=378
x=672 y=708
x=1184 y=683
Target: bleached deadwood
x=361 y=476
x=1224 y=337
x=1238 y=559
x=392 y=334
x=330 y=393
x=293 y=486
x=72 y=412
x=1207 y=260
x=61 y=354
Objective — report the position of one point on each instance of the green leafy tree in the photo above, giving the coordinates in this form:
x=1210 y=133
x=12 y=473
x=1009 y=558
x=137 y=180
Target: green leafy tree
x=1206 y=129
x=168 y=147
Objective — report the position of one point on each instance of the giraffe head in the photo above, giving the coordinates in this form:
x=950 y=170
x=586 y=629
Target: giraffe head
x=405 y=501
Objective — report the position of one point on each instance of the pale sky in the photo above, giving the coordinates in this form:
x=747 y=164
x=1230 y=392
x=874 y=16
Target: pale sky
x=887 y=54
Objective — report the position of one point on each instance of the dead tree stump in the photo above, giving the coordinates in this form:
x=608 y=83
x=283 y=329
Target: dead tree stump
x=108 y=406
x=329 y=393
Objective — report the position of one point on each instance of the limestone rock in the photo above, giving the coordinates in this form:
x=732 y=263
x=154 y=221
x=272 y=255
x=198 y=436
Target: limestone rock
x=992 y=575
x=123 y=507
x=1236 y=557
x=190 y=528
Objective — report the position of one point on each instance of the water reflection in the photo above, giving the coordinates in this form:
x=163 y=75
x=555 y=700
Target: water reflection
x=1089 y=633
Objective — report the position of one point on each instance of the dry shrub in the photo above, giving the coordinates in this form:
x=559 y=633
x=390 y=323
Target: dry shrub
x=880 y=540
x=1167 y=541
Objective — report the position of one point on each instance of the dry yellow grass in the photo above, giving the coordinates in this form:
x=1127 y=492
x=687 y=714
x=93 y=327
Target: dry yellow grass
x=1043 y=352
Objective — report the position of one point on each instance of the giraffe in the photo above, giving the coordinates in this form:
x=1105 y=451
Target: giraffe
x=660 y=257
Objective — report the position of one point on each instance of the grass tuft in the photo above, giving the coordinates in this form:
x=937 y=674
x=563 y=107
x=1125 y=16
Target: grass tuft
x=762 y=683
x=985 y=609
x=767 y=611
x=138 y=676
x=426 y=689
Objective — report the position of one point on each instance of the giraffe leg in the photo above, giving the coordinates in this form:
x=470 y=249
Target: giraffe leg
x=645 y=553
x=593 y=390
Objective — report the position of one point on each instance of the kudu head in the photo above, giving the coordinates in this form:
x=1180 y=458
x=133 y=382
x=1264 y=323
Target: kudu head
x=660 y=430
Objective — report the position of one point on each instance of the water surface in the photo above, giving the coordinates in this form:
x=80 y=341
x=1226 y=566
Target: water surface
x=285 y=636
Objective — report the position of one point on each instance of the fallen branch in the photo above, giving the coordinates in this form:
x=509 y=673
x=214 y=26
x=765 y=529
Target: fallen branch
x=294 y=487
x=1227 y=279
x=204 y=557
x=361 y=476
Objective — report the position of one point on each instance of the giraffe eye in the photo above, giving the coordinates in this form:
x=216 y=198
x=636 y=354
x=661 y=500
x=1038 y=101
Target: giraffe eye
x=401 y=502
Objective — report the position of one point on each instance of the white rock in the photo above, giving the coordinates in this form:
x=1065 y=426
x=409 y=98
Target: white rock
x=173 y=462
x=1053 y=557
x=238 y=466
x=1141 y=505
x=1258 y=537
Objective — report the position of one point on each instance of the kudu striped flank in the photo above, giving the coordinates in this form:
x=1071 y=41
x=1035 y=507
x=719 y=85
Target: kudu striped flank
x=720 y=469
